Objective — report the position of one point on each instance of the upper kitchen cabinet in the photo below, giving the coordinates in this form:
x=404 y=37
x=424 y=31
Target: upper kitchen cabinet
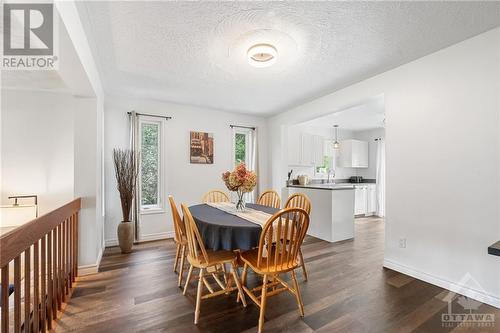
x=294 y=148
x=307 y=154
x=353 y=154
x=305 y=149
x=319 y=149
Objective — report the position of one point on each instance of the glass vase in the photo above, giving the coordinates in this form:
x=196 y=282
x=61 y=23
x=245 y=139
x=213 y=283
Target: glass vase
x=240 y=204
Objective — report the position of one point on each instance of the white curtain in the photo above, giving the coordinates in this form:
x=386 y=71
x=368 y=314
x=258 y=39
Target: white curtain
x=134 y=146
x=254 y=163
x=380 y=178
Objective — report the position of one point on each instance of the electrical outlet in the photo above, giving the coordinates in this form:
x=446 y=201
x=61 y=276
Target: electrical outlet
x=402 y=243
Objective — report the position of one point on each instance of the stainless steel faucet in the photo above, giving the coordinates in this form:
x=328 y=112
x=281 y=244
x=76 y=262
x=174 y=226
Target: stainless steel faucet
x=330 y=171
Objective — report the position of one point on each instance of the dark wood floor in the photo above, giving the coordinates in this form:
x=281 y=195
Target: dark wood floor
x=348 y=291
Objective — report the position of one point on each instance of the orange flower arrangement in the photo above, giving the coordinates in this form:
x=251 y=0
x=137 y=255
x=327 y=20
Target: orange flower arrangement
x=241 y=181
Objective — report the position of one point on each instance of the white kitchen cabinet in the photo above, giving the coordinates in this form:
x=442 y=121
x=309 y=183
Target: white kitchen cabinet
x=294 y=148
x=353 y=154
x=371 y=199
x=365 y=199
x=305 y=149
x=319 y=143
x=328 y=148
x=307 y=157
x=360 y=200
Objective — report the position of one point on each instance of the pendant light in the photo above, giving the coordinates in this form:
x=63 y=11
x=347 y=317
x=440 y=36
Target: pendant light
x=336 y=144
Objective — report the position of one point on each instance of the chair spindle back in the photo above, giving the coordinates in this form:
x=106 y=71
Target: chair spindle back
x=215 y=196
x=270 y=198
x=179 y=227
x=282 y=237
x=194 y=240
x=299 y=200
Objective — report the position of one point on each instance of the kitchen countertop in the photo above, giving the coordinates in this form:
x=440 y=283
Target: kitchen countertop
x=331 y=187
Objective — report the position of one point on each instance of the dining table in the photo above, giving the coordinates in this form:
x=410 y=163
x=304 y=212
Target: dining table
x=221 y=230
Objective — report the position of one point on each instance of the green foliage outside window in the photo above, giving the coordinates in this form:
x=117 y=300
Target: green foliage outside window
x=149 y=164
x=327 y=164
x=240 y=148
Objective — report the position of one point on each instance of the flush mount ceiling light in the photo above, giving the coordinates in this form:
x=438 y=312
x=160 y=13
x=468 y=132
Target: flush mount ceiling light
x=262 y=55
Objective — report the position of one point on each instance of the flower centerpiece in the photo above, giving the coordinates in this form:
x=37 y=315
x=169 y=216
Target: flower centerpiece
x=241 y=181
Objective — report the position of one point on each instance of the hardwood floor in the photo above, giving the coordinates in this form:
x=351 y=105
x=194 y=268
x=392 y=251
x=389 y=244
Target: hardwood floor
x=348 y=291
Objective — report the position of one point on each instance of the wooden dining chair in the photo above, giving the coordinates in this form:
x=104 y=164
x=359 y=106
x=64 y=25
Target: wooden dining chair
x=274 y=257
x=300 y=200
x=270 y=198
x=209 y=263
x=215 y=196
x=180 y=239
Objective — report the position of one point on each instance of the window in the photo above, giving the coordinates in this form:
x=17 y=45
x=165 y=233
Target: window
x=242 y=146
x=150 y=134
x=243 y=151
x=328 y=159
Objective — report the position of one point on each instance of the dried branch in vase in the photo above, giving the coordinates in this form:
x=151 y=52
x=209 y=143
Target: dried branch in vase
x=126 y=171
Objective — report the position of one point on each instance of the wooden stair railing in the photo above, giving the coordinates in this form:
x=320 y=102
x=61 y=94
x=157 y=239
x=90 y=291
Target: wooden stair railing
x=44 y=256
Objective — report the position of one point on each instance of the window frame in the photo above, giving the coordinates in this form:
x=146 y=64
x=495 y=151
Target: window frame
x=157 y=208
x=248 y=145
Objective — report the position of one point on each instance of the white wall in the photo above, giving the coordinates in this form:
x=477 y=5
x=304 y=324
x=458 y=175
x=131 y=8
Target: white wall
x=52 y=142
x=49 y=147
x=37 y=147
x=443 y=151
x=186 y=182
x=79 y=71
x=369 y=136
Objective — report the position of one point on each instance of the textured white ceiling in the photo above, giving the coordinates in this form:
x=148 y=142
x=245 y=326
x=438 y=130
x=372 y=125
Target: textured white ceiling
x=368 y=115
x=195 y=52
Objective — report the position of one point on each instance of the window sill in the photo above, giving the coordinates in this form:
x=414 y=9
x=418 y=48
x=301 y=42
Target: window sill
x=152 y=211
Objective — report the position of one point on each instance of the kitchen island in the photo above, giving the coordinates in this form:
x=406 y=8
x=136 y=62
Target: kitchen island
x=332 y=213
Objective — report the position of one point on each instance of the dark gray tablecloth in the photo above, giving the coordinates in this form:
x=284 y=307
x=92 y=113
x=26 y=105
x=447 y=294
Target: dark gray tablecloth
x=224 y=231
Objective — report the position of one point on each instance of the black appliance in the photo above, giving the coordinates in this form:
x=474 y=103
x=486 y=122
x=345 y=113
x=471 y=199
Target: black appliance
x=356 y=179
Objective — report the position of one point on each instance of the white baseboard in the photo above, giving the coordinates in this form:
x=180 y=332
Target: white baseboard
x=157 y=236
x=144 y=238
x=458 y=288
x=91 y=269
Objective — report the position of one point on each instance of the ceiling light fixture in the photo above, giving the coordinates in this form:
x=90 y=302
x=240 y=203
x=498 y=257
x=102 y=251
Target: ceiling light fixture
x=262 y=55
x=336 y=144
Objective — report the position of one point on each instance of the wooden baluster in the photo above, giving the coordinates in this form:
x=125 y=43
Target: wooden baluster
x=70 y=252
x=36 y=287
x=54 y=274
x=17 y=294
x=5 y=299
x=27 y=290
x=76 y=244
x=73 y=226
x=50 y=284
x=67 y=276
x=63 y=261
x=59 y=268
x=43 y=277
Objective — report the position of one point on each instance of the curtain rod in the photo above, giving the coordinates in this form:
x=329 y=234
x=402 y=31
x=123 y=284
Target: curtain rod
x=378 y=139
x=150 y=115
x=248 y=127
